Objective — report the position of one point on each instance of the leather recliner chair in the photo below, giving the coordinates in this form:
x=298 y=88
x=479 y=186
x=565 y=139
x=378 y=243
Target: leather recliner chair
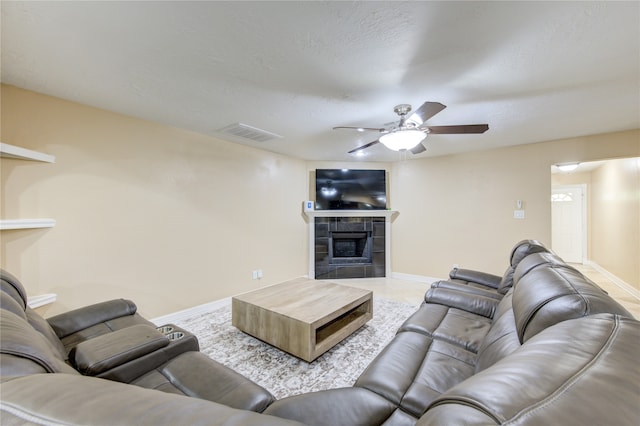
x=136 y=353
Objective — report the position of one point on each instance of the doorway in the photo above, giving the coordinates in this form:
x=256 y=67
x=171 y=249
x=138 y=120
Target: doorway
x=568 y=222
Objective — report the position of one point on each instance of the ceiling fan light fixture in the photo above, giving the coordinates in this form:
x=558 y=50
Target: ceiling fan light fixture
x=402 y=139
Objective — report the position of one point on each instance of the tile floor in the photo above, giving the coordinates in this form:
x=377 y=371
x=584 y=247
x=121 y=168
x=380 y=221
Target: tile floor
x=413 y=292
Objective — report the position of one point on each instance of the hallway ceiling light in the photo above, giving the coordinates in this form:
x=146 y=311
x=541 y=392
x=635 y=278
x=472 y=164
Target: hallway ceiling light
x=568 y=167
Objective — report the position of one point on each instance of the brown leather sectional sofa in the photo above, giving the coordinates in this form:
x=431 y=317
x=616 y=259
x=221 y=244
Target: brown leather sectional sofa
x=549 y=347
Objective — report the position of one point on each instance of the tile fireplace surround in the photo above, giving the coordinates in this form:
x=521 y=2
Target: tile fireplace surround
x=349 y=243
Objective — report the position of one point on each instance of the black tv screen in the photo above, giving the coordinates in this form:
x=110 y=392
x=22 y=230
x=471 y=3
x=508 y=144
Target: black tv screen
x=351 y=189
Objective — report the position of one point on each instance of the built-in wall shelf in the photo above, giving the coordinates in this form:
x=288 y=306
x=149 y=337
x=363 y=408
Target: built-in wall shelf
x=16 y=152
x=41 y=300
x=26 y=224
x=19 y=153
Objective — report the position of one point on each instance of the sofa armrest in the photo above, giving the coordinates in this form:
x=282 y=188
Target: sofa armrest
x=108 y=351
x=197 y=375
x=480 y=291
x=478 y=277
x=80 y=400
x=87 y=316
x=339 y=406
x=476 y=304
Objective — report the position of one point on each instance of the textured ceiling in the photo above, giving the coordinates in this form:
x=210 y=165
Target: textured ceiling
x=533 y=71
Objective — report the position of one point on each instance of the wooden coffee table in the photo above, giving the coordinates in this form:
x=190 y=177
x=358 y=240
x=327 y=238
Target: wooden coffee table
x=303 y=317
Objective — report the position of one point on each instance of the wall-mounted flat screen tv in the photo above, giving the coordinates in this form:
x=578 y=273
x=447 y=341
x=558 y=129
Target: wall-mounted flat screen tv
x=351 y=189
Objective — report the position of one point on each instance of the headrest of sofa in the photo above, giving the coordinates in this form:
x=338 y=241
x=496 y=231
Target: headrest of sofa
x=12 y=286
x=9 y=303
x=533 y=261
x=552 y=293
x=520 y=251
x=20 y=339
x=523 y=249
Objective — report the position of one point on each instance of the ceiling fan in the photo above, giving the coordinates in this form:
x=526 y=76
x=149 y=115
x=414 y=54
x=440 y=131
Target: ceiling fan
x=409 y=132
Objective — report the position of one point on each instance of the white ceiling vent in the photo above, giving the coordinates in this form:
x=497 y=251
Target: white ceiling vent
x=248 y=132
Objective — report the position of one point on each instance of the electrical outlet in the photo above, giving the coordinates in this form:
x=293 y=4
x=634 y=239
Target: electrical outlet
x=518 y=214
x=456 y=266
x=254 y=275
x=259 y=274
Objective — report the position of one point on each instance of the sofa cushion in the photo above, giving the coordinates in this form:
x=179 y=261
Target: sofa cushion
x=414 y=369
x=581 y=371
x=455 y=326
x=551 y=293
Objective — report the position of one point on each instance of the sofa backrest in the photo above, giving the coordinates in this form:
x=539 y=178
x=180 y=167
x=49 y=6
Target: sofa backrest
x=24 y=350
x=13 y=297
x=580 y=371
x=519 y=252
x=502 y=337
x=546 y=291
x=533 y=261
x=12 y=287
x=551 y=293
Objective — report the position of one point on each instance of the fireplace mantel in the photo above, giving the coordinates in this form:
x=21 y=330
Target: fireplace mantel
x=389 y=215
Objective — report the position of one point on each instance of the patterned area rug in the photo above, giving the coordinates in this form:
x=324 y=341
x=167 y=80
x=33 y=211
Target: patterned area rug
x=285 y=375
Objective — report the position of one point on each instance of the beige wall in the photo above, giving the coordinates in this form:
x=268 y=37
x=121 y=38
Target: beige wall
x=459 y=208
x=615 y=209
x=165 y=217
x=159 y=215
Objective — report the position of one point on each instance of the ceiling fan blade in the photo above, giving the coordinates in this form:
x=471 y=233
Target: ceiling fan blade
x=425 y=112
x=418 y=149
x=365 y=146
x=463 y=128
x=361 y=129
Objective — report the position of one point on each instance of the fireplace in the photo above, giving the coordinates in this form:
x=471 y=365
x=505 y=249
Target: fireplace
x=349 y=247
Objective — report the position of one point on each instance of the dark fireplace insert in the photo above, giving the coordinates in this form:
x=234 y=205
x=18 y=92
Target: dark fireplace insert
x=349 y=247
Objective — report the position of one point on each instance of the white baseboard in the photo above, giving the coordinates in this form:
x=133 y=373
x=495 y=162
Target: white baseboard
x=617 y=281
x=191 y=312
x=412 y=277
x=216 y=304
